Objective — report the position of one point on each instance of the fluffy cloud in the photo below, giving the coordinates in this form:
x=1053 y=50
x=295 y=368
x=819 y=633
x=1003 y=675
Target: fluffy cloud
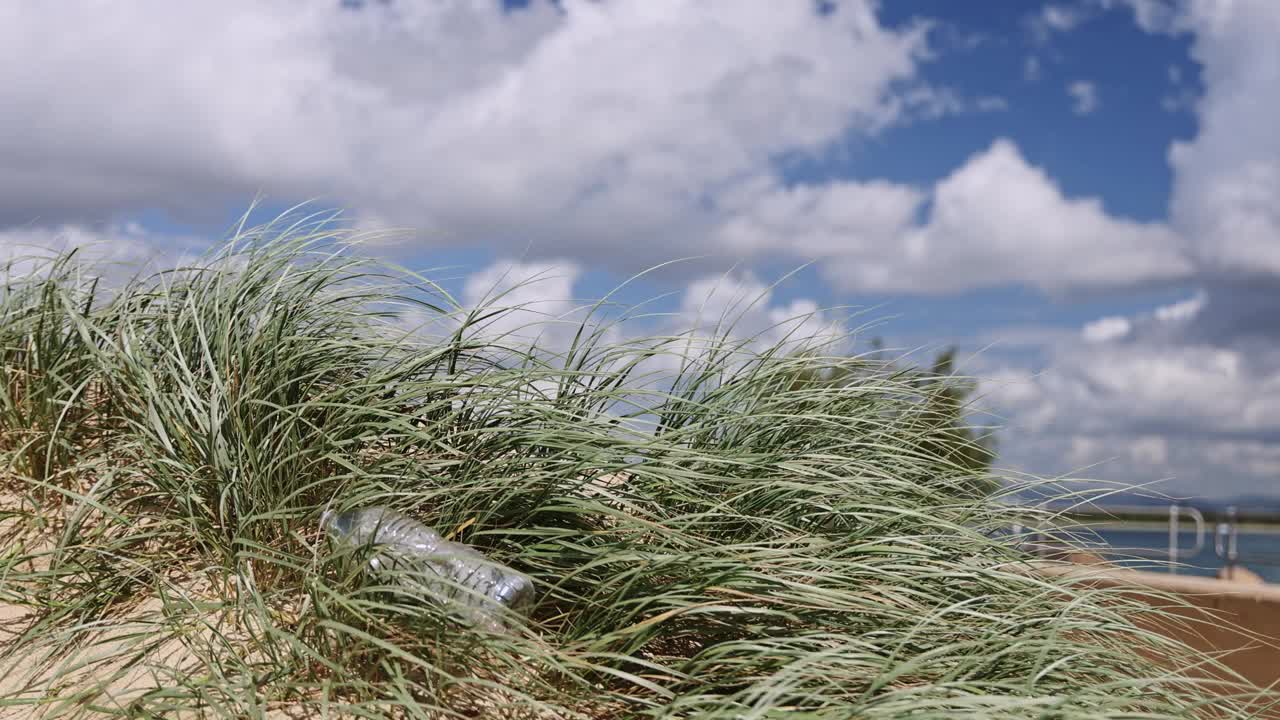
x=1169 y=393
x=996 y=220
x=1227 y=180
x=617 y=133
x=538 y=301
x=1190 y=390
x=476 y=125
x=999 y=220
x=741 y=307
x=457 y=117
x=114 y=251
x=1107 y=328
x=827 y=221
x=1140 y=389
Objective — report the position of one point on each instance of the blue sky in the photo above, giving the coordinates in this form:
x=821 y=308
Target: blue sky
x=1130 y=129
x=1084 y=195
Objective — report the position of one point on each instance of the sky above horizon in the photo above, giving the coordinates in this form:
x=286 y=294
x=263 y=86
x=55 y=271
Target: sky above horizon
x=1082 y=195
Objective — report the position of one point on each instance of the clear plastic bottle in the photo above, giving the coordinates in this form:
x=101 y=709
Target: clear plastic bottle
x=479 y=590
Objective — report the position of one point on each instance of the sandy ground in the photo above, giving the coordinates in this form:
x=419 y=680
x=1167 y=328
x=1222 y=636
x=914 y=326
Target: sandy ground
x=137 y=647
x=133 y=650
x=1237 y=618
x=136 y=652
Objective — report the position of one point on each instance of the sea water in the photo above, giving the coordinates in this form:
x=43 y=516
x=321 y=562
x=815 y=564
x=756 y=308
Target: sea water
x=1148 y=549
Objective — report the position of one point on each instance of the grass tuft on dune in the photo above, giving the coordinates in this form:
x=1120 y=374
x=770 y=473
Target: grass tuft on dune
x=710 y=538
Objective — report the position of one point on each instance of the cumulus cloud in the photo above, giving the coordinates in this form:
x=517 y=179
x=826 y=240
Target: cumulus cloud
x=1198 y=390
x=1188 y=391
x=540 y=302
x=829 y=220
x=1168 y=393
x=1227 y=179
x=1107 y=328
x=458 y=118
x=1191 y=389
x=998 y=220
x=536 y=299
x=478 y=125
x=472 y=124
x=115 y=252
x=741 y=307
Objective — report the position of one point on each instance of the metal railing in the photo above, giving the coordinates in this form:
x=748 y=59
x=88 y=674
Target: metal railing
x=1226 y=539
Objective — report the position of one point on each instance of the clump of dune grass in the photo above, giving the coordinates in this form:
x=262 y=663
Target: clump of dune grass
x=709 y=537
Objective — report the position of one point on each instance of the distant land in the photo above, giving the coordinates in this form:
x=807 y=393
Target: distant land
x=1255 y=508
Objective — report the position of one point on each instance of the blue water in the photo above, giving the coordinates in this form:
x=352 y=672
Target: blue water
x=1259 y=552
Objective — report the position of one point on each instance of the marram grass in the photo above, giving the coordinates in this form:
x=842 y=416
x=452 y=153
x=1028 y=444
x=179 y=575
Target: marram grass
x=709 y=537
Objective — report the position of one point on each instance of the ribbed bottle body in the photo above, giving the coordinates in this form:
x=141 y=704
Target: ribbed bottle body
x=460 y=577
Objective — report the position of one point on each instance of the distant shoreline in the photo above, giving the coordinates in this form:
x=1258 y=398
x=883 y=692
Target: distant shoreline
x=1254 y=528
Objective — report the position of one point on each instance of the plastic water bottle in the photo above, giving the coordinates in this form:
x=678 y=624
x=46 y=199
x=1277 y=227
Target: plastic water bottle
x=482 y=592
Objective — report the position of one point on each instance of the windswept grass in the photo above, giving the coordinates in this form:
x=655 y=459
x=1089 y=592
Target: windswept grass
x=710 y=538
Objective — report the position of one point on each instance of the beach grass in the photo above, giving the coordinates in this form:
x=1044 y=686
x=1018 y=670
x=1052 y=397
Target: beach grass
x=709 y=537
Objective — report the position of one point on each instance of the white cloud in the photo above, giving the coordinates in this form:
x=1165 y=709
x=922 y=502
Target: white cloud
x=734 y=314
x=1159 y=394
x=536 y=300
x=457 y=118
x=1059 y=17
x=1191 y=414
x=1227 y=180
x=1182 y=310
x=745 y=308
x=1226 y=196
x=539 y=302
x=1055 y=18
x=833 y=220
x=1084 y=97
x=933 y=103
x=999 y=220
x=114 y=252
x=478 y=126
x=1105 y=329
x=474 y=125
x=1190 y=390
